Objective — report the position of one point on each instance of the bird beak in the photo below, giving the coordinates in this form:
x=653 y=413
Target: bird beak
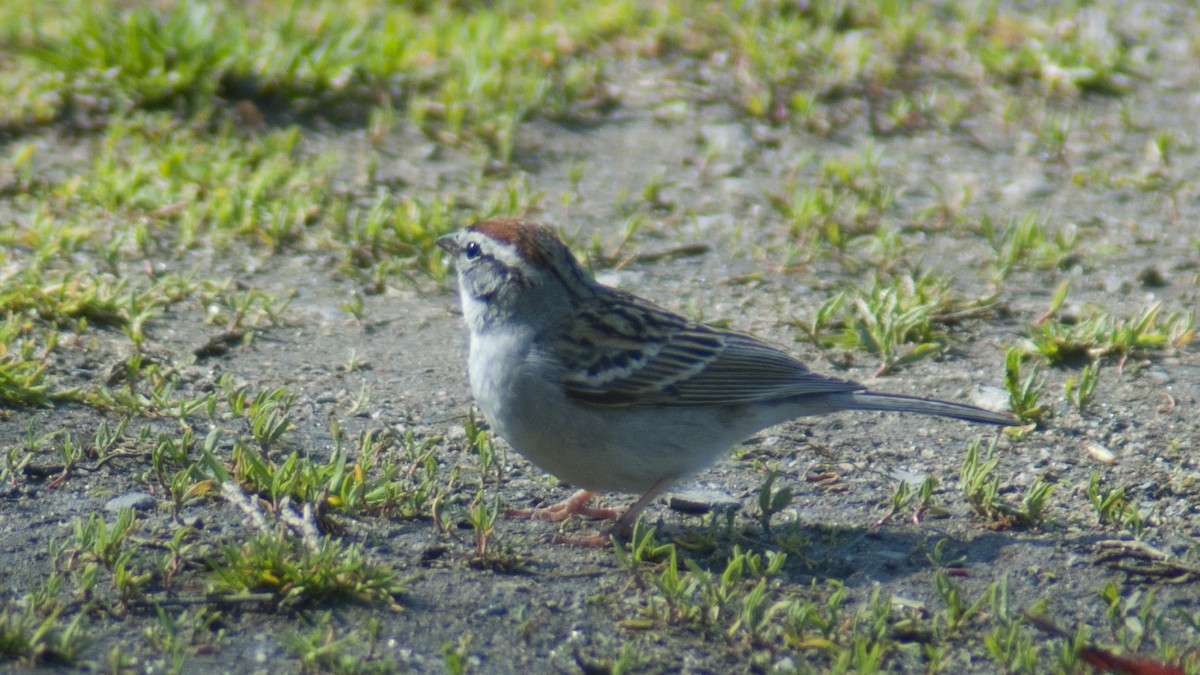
x=449 y=243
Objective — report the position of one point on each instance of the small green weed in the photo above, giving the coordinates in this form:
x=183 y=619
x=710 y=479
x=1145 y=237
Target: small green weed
x=981 y=487
x=141 y=56
x=31 y=639
x=1079 y=391
x=770 y=500
x=178 y=638
x=299 y=573
x=321 y=649
x=1111 y=506
x=456 y=654
x=889 y=315
x=1027 y=243
x=846 y=200
x=1101 y=335
x=1091 y=57
x=903 y=497
x=1023 y=392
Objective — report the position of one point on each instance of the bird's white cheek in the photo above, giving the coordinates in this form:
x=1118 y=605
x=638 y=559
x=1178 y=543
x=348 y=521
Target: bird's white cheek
x=482 y=302
x=474 y=313
x=484 y=280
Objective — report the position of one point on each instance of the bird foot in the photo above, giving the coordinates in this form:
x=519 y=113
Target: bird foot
x=621 y=531
x=575 y=505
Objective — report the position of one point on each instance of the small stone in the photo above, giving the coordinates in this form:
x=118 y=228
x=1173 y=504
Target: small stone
x=726 y=139
x=1027 y=188
x=989 y=397
x=1158 y=374
x=698 y=501
x=901 y=603
x=727 y=146
x=913 y=478
x=671 y=111
x=1152 y=277
x=1099 y=453
x=138 y=501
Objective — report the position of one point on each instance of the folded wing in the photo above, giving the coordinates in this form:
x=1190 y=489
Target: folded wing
x=649 y=356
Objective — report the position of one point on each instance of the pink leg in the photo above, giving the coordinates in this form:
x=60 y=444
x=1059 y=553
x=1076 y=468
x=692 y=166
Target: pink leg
x=623 y=528
x=576 y=504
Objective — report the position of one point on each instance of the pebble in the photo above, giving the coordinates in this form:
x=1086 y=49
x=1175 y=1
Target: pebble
x=698 y=501
x=729 y=144
x=989 y=397
x=913 y=478
x=138 y=501
x=1152 y=277
x=727 y=139
x=1158 y=374
x=1027 y=188
x=1099 y=453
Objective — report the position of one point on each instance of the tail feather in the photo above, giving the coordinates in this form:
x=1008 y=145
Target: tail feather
x=869 y=400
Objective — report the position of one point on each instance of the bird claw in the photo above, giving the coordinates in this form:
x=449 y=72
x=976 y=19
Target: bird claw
x=575 y=505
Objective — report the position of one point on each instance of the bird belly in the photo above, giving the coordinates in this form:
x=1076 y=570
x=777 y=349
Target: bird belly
x=613 y=449
x=602 y=448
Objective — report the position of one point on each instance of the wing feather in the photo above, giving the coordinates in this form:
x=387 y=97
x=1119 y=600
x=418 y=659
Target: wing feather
x=631 y=352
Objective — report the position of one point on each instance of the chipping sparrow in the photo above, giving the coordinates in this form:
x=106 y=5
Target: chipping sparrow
x=610 y=392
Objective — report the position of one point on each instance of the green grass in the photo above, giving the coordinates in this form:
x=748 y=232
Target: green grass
x=298 y=573
x=1112 y=508
x=322 y=649
x=737 y=602
x=465 y=75
x=29 y=639
x=1028 y=242
x=178 y=172
x=1099 y=335
x=982 y=489
x=461 y=75
x=1024 y=391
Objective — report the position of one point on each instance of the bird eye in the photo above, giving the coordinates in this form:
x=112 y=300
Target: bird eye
x=471 y=250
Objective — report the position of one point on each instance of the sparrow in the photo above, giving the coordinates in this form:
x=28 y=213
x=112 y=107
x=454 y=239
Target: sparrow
x=610 y=392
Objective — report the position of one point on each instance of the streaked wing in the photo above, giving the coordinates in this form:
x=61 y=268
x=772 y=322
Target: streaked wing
x=611 y=362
